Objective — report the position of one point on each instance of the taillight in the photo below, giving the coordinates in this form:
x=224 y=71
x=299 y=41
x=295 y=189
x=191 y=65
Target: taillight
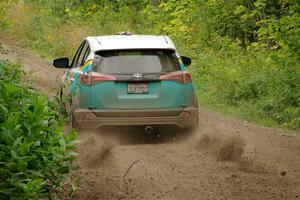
x=94 y=78
x=181 y=77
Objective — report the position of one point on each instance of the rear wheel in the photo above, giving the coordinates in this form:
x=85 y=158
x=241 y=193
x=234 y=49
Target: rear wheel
x=73 y=123
x=62 y=106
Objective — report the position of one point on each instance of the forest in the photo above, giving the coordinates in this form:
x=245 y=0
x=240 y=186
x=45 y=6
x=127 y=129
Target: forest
x=245 y=52
x=246 y=63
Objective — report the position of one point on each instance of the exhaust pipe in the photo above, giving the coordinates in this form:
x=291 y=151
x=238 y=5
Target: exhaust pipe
x=149 y=130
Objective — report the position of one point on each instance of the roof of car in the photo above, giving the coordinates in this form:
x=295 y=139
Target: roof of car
x=114 y=42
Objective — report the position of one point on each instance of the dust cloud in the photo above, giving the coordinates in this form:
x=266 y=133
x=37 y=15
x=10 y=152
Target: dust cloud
x=95 y=150
x=225 y=148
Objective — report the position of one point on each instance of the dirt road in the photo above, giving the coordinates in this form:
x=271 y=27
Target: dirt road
x=225 y=159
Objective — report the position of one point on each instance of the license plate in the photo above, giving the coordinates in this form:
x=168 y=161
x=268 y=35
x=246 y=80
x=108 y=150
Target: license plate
x=137 y=88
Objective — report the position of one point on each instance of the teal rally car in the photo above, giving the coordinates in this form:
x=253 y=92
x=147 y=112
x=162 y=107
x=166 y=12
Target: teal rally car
x=129 y=79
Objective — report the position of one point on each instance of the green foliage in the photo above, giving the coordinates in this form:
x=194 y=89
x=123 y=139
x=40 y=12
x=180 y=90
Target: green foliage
x=261 y=86
x=4 y=5
x=35 y=155
x=245 y=52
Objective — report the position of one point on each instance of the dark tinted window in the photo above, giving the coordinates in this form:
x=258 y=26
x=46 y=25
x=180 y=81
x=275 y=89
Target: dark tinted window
x=132 y=61
x=82 y=58
x=75 y=59
x=81 y=55
x=86 y=54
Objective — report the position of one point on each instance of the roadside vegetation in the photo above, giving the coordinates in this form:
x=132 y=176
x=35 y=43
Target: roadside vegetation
x=35 y=155
x=246 y=52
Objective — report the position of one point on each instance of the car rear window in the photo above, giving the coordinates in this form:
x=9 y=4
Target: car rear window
x=133 y=61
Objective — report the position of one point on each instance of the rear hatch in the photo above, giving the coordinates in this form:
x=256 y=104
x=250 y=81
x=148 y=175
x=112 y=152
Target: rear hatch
x=136 y=80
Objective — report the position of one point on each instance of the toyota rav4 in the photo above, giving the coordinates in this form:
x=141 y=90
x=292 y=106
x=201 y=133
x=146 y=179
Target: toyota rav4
x=129 y=80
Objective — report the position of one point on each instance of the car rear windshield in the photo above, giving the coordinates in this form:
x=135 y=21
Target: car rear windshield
x=133 y=61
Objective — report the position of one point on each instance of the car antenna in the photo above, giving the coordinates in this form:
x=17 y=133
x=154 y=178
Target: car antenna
x=124 y=33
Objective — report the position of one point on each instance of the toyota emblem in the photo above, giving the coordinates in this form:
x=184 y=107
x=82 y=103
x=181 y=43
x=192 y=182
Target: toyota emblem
x=137 y=76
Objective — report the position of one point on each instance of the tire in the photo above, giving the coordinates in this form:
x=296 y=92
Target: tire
x=73 y=123
x=62 y=106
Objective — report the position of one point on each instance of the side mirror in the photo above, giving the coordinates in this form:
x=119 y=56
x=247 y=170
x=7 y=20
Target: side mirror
x=186 y=60
x=61 y=63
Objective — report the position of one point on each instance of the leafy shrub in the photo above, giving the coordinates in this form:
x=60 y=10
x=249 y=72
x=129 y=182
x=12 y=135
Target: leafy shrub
x=35 y=155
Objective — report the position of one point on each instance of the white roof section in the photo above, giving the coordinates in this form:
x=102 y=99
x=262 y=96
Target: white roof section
x=114 y=42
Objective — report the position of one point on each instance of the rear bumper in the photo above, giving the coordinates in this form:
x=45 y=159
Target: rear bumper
x=182 y=117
